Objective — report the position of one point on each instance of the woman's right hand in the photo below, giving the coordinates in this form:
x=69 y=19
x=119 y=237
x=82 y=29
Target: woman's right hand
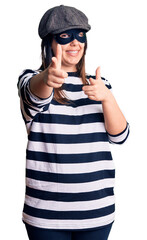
x=54 y=76
x=42 y=84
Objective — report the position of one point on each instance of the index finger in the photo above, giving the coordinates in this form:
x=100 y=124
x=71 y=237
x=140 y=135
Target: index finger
x=59 y=55
x=98 y=74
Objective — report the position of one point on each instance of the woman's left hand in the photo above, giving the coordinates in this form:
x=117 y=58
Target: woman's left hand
x=115 y=121
x=97 y=90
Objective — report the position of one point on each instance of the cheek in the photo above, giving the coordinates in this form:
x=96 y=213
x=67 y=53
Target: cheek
x=82 y=52
x=63 y=51
x=82 y=47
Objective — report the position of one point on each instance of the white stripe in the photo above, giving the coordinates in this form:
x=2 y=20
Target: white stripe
x=73 y=80
x=69 y=206
x=68 y=129
x=77 y=111
x=70 y=187
x=75 y=95
x=27 y=118
x=75 y=168
x=37 y=100
x=28 y=126
x=119 y=138
x=106 y=82
x=69 y=224
x=68 y=148
x=27 y=76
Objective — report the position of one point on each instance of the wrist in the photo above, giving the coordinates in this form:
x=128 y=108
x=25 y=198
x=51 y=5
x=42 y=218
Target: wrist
x=109 y=98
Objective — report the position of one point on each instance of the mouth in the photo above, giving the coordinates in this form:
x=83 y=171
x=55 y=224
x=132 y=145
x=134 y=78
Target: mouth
x=72 y=52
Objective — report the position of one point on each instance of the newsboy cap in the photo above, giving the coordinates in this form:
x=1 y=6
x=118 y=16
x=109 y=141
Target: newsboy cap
x=62 y=18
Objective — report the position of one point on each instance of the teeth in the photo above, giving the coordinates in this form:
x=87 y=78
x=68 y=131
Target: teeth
x=73 y=51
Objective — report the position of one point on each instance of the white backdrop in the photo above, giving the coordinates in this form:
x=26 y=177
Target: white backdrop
x=118 y=43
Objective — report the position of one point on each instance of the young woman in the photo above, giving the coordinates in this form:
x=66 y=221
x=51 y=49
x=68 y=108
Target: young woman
x=70 y=118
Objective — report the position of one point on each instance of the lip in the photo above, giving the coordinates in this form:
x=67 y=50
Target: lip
x=72 y=52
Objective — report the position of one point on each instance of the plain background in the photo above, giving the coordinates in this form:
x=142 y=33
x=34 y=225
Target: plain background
x=118 y=43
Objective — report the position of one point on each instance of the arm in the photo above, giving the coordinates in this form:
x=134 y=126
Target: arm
x=115 y=121
x=35 y=88
x=38 y=86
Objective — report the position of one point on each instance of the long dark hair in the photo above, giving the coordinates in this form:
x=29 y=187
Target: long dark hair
x=47 y=54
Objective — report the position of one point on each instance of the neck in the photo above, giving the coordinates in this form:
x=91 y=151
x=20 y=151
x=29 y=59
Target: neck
x=69 y=68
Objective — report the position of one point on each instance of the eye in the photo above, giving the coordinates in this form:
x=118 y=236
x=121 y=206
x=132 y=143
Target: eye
x=81 y=34
x=65 y=35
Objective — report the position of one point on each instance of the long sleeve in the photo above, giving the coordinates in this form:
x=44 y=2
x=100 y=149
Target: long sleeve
x=121 y=137
x=30 y=104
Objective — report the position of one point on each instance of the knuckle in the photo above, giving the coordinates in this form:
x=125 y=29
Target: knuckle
x=57 y=85
x=63 y=80
x=60 y=80
x=50 y=70
x=48 y=84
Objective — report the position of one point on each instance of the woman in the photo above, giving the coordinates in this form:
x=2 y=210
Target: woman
x=70 y=117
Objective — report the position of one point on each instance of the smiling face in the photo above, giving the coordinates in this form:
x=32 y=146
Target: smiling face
x=71 y=54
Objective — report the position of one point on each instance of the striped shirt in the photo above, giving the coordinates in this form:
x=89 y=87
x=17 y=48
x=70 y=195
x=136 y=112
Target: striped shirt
x=69 y=167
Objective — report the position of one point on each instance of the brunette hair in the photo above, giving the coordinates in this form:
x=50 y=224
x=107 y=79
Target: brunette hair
x=47 y=54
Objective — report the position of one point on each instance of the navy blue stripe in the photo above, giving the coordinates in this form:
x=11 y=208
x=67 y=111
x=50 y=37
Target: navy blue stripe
x=29 y=104
x=26 y=105
x=121 y=142
x=27 y=110
x=74 y=215
x=40 y=104
x=70 y=178
x=73 y=74
x=78 y=103
x=72 y=87
x=68 y=158
x=33 y=103
x=24 y=79
x=22 y=93
x=24 y=73
x=69 y=197
x=72 y=120
x=108 y=85
x=69 y=139
x=29 y=98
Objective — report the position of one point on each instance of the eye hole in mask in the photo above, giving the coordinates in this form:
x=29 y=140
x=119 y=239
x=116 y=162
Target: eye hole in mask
x=70 y=35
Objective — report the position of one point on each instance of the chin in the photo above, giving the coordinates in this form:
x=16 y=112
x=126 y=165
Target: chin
x=70 y=63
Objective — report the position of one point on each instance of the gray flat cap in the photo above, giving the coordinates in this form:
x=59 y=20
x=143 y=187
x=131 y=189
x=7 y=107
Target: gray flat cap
x=62 y=18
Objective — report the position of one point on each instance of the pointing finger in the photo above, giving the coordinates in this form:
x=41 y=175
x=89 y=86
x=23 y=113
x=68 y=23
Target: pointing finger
x=59 y=56
x=98 y=75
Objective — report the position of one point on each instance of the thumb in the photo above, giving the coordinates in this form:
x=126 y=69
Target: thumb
x=98 y=74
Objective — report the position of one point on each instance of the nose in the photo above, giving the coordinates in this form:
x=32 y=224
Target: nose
x=74 y=42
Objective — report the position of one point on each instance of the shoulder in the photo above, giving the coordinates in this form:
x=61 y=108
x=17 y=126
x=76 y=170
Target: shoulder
x=107 y=83
x=25 y=76
x=28 y=72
